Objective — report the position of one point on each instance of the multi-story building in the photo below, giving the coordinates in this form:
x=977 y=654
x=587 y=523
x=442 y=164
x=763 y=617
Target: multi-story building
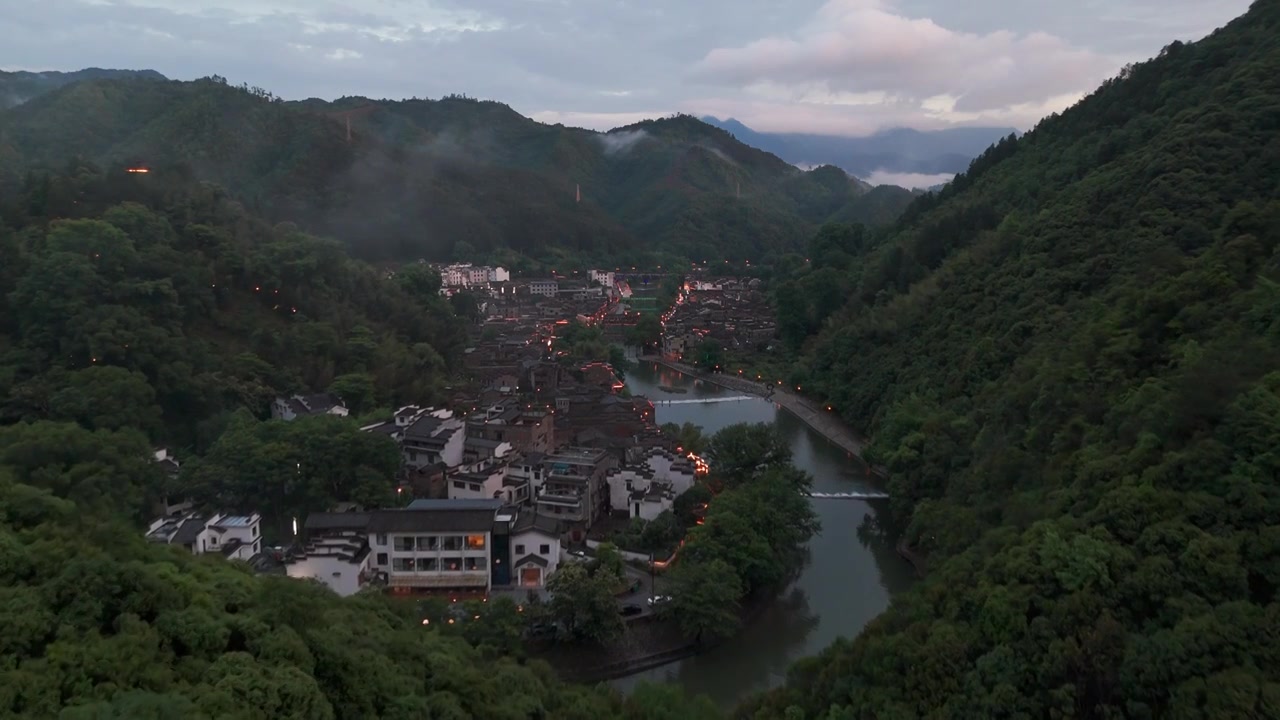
x=545 y=288
x=526 y=429
x=433 y=438
x=574 y=488
x=602 y=277
x=430 y=546
x=235 y=537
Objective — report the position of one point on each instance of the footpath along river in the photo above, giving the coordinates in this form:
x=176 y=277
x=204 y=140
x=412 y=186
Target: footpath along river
x=849 y=576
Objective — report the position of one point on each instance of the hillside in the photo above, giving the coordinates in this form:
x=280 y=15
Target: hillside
x=157 y=303
x=895 y=150
x=454 y=177
x=1068 y=363
x=19 y=87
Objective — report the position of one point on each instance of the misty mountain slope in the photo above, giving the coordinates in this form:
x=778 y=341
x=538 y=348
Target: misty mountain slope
x=1069 y=363
x=19 y=87
x=440 y=178
x=897 y=150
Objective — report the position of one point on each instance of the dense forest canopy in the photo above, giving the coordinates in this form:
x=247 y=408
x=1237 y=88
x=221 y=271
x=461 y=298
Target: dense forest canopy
x=1069 y=360
x=454 y=178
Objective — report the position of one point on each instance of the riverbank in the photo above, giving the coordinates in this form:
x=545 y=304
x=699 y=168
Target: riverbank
x=648 y=643
x=823 y=421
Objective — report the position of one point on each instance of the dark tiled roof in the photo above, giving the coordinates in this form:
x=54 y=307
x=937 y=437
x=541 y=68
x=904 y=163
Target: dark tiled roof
x=440 y=504
x=532 y=559
x=407 y=520
x=533 y=521
x=338 y=520
x=189 y=531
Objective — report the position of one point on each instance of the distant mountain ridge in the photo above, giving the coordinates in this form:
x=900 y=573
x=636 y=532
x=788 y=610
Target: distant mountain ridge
x=19 y=87
x=449 y=178
x=896 y=150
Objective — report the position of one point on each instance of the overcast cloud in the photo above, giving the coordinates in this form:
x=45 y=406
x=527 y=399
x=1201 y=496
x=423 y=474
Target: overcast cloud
x=839 y=66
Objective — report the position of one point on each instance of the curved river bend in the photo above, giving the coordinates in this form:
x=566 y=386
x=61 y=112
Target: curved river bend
x=846 y=582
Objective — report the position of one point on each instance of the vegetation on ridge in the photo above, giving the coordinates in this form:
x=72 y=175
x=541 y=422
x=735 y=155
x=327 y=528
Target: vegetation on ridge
x=450 y=178
x=1068 y=361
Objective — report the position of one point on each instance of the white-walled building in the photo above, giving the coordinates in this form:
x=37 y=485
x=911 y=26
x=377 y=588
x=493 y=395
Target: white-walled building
x=433 y=438
x=432 y=545
x=602 y=277
x=235 y=537
x=299 y=405
x=342 y=561
x=648 y=488
x=535 y=549
x=499 y=275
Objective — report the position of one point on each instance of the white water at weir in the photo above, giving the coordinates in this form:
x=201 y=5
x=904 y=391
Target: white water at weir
x=701 y=401
x=849 y=496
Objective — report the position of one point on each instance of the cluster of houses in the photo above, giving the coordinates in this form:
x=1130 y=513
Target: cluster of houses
x=527 y=457
x=732 y=311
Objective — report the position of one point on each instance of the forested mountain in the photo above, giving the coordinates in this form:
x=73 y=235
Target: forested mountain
x=140 y=311
x=896 y=150
x=19 y=87
x=155 y=303
x=1069 y=359
x=454 y=177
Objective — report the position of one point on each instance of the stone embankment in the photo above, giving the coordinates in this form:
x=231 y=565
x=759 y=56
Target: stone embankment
x=816 y=416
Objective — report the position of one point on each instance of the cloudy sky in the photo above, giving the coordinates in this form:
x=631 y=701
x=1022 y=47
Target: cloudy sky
x=832 y=66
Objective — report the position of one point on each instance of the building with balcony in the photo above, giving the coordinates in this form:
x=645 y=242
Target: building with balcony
x=443 y=545
x=301 y=405
x=574 y=490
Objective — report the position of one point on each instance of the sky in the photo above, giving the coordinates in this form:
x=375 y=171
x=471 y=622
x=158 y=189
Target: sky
x=845 y=67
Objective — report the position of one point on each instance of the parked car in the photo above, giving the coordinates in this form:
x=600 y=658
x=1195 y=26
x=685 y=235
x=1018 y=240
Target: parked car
x=541 y=630
x=658 y=600
x=630 y=610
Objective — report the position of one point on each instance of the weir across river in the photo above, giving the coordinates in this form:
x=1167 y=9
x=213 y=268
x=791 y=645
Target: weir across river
x=701 y=401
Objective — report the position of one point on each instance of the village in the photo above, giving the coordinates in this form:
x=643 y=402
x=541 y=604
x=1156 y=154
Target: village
x=536 y=459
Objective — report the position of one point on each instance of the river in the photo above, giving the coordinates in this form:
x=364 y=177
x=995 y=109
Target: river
x=846 y=582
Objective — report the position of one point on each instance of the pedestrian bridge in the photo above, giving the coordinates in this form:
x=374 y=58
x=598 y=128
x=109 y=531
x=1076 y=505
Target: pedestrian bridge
x=735 y=398
x=849 y=496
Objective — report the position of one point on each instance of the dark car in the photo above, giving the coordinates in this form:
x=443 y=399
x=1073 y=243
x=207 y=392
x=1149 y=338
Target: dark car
x=630 y=610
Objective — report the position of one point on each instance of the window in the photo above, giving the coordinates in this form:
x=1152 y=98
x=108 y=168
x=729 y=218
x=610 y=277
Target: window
x=475 y=564
x=519 y=549
x=382 y=558
x=402 y=565
x=428 y=542
x=475 y=542
x=403 y=544
x=459 y=484
x=451 y=542
x=382 y=539
x=451 y=564
x=475 y=487
x=544 y=549
x=428 y=565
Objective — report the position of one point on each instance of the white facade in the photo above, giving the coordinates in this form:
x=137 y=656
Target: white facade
x=535 y=554
x=432 y=559
x=482 y=484
x=602 y=277
x=235 y=537
x=343 y=563
x=498 y=275
x=649 y=488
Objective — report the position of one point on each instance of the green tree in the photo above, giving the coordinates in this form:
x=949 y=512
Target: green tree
x=107 y=398
x=704 y=599
x=584 y=604
x=739 y=451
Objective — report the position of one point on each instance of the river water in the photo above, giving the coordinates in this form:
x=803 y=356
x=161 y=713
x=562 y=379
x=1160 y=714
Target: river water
x=849 y=577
